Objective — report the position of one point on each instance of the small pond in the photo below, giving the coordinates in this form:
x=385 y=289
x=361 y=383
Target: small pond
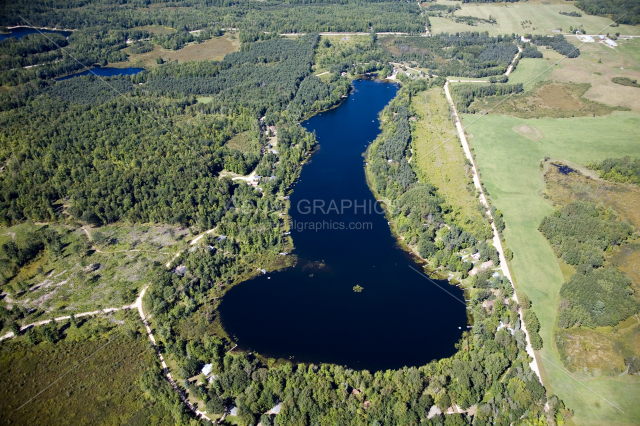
x=105 y=72
x=20 y=32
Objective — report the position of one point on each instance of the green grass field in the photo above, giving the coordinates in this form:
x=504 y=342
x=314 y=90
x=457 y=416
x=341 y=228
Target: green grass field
x=440 y=158
x=510 y=18
x=509 y=166
x=530 y=71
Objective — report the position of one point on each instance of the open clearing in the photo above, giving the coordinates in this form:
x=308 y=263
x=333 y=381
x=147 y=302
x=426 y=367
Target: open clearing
x=526 y=18
x=546 y=100
x=247 y=142
x=103 y=390
x=597 y=64
x=531 y=71
x=440 y=158
x=214 y=49
x=510 y=166
x=81 y=279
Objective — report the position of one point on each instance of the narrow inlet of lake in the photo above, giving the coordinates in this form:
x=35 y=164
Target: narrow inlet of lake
x=311 y=313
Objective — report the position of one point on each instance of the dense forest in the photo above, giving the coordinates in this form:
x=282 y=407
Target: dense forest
x=103 y=28
x=57 y=56
x=272 y=16
x=596 y=298
x=580 y=234
x=624 y=170
x=468 y=54
x=558 y=43
x=620 y=11
x=111 y=158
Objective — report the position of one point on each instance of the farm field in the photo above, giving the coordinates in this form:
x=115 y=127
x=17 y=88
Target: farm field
x=527 y=18
x=597 y=65
x=103 y=390
x=214 y=49
x=509 y=164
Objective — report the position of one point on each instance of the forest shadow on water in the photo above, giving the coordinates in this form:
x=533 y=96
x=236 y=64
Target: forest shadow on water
x=311 y=312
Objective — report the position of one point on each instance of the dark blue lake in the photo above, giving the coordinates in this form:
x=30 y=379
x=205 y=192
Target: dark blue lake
x=23 y=31
x=312 y=314
x=105 y=72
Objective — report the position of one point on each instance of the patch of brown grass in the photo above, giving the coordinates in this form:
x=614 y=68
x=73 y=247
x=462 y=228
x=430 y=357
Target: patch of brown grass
x=600 y=351
x=214 y=49
x=627 y=259
x=528 y=132
x=562 y=189
x=550 y=100
x=596 y=65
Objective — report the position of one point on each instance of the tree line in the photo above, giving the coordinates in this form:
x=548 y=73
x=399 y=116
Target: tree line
x=464 y=94
x=558 y=43
x=624 y=170
x=620 y=11
x=580 y=234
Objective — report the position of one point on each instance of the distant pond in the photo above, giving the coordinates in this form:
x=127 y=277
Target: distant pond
x=20 y=32
x=105 y=72
x=311 y=313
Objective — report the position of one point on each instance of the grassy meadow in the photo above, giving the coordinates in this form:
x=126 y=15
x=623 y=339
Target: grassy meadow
x=532 y=17
x=597 y=64
x=103 y=389
x=530 y=71
x=439 y=156
x=214 y=49
x=509 y=165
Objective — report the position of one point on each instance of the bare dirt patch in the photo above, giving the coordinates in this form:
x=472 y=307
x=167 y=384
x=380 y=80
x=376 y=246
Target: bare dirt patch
x=528 y=132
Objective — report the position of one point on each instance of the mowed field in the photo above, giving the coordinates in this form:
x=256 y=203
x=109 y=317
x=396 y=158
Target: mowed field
x=531 y=71
x=509 y=164
x=515 y=17
x=214 y=49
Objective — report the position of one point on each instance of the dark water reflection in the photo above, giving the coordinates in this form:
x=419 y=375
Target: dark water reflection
x=105 y=72
x=311 y=312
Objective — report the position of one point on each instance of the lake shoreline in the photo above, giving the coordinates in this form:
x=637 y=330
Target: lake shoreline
x=38 y=28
